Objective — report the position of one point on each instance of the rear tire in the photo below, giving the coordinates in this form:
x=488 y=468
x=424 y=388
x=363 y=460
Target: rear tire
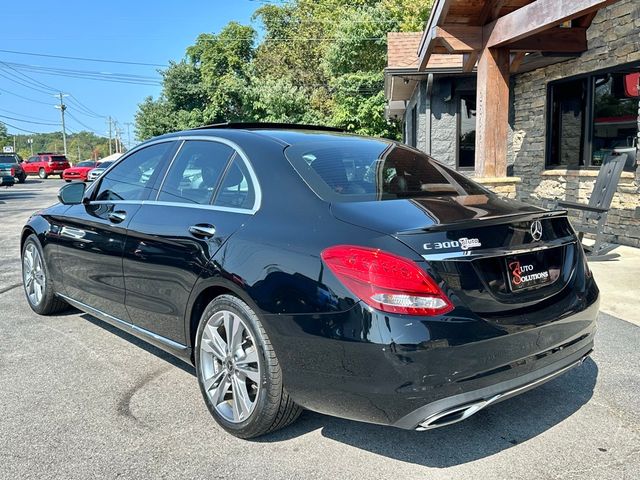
x=42 y=173
x=61 y=176
x=265 y=406
x=36 y=280
x=22 y=178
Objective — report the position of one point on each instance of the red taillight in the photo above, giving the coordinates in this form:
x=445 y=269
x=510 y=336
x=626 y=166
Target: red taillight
x=13 y=172
x=385 y=281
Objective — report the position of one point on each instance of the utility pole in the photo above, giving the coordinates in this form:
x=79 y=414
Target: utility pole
x=128 y=124
x=110 y=149
x=62 y=108
x=30 y=142
x=14 y=144
x=79 y=152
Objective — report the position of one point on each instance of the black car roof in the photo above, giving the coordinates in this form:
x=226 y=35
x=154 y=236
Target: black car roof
x=283 y=133
x=268 y=126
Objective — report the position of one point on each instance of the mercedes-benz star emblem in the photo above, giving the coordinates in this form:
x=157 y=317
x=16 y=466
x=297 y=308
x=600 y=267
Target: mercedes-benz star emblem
x=536 y=230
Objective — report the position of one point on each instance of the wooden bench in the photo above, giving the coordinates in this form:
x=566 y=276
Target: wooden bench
x=594 y=214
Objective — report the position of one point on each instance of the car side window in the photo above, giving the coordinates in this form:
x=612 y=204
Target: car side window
x=237 y=189
x=195 y=172
x=133 y=177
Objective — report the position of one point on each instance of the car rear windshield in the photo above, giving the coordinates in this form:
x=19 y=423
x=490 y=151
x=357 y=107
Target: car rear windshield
x=104 y=165
x=58 y=158
x=368 y=169
x=8 y=158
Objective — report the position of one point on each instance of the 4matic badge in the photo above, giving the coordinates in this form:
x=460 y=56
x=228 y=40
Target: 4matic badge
x=463 y=243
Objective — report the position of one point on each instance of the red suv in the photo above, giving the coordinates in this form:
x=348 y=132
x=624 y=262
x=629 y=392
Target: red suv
x=45 y=164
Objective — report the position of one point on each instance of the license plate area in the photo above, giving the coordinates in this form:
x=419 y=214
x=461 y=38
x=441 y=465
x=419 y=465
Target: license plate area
x=533 y=270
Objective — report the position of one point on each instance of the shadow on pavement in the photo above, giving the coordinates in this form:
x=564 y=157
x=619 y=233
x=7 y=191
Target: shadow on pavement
x=16 y=194
x=490 y=431
x=136 y=341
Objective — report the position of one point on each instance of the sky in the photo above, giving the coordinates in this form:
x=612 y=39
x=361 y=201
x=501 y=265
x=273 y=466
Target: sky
x=142 y=31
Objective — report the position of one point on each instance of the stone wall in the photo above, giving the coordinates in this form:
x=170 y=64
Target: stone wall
x=614 y=39
x=419 y=100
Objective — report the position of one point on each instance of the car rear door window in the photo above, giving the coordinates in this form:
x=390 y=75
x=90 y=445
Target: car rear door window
x=134 y=176
x=237 y=189
x=196 y=172
x=369 y=169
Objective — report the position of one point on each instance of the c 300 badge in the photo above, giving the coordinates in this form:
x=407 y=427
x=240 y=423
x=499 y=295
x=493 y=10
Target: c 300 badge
x=463 y=243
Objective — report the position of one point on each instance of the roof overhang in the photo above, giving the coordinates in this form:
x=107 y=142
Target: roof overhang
x=521 y=26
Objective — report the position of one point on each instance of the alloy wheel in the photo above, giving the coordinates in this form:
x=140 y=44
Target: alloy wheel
x=33 y=274
x=230 y=366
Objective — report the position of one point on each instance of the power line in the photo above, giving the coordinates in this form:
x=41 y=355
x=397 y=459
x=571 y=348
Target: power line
x=23 y=84
x=84 y=107
x=85 y=59
x=83 y=125
x=29 y=79
x=90 y=75
x=21 y=129
x=27 y=121
x=23 y=97
x=24 y=116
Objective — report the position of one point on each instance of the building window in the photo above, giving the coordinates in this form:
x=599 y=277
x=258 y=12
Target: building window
x=593 y=116
x=467 y=131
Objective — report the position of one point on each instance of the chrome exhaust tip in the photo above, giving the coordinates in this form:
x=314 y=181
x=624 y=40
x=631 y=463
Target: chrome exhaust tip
x=459 y=413
x=454 y=415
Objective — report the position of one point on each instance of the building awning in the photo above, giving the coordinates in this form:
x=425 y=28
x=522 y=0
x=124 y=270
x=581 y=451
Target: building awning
x=494 y=37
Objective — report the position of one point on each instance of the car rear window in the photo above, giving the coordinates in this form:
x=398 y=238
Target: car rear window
x=58 y=158
x=8 y=158
x=369 y=169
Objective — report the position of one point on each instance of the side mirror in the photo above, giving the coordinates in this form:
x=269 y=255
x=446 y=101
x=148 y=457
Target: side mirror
x=72 y=194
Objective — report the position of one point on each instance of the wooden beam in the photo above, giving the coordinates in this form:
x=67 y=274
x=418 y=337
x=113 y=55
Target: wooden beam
x=492 y=113
x=490 y=11
x=516 y=61
x=459 y=38
x=469 y=61
x=439 y=12
x=586 y=21
x=564 y=40
x=537 y=17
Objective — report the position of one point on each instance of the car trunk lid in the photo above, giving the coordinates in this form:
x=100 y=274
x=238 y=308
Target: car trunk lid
x=494 y=256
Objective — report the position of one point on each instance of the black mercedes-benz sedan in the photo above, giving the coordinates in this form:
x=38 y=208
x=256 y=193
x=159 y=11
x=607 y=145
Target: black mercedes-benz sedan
x=301 y=267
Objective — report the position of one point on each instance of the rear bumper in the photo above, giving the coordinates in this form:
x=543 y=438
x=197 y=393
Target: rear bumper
x=407 y=371
x=7 y=181
x=459 y=407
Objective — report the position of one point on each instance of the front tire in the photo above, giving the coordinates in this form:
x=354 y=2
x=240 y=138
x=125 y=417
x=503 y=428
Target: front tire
x=238 y=371
x=42 y=173
x=37 y=283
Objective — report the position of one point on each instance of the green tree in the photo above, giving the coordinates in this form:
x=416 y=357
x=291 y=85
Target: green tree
x=154 y=117
x=317 y=61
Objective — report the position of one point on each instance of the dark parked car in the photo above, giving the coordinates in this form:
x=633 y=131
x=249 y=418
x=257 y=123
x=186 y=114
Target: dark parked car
x=7 y=175
x=15 y=162
x=301 y=268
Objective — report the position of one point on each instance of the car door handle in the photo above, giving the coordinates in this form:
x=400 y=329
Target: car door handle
x=202 y=230
x=117 y=216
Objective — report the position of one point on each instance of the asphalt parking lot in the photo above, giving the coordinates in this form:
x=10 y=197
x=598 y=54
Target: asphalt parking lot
x=79 y=399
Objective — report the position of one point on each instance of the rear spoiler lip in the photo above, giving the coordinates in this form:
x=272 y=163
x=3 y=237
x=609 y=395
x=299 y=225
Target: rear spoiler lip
x=486 y=221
